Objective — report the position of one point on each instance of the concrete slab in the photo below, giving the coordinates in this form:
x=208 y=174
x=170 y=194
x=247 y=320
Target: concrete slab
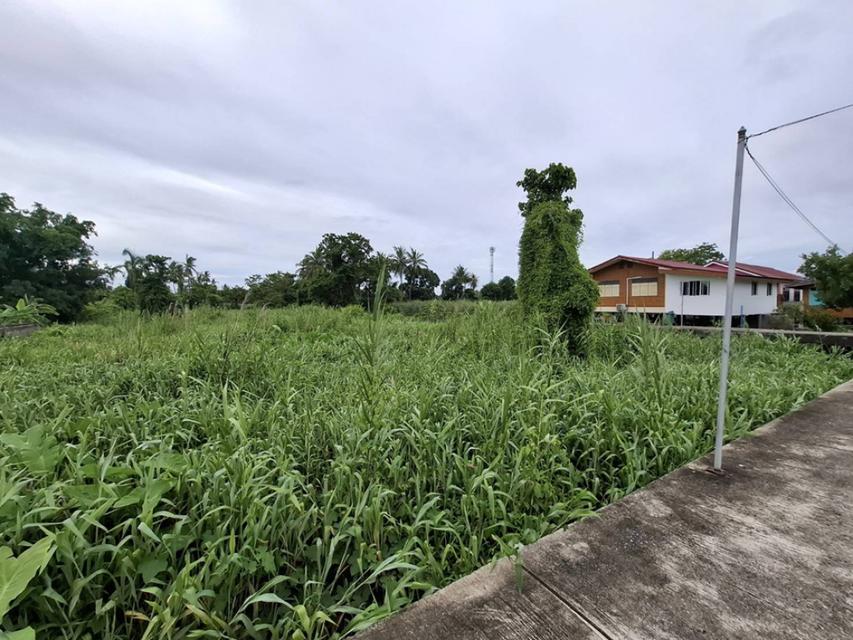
x=763 y=551
x=487 y=605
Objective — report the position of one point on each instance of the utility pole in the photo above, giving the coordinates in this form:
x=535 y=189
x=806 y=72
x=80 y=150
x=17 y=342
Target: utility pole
x=491 y=264
x=730 y=290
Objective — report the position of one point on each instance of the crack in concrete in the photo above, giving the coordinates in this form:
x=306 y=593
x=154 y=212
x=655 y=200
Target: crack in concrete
x=595 y=628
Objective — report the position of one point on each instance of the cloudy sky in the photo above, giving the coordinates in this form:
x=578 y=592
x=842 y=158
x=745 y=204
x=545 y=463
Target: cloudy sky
x=240 y=132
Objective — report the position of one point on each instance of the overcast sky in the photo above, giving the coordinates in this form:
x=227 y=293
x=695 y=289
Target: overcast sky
x=240 y=132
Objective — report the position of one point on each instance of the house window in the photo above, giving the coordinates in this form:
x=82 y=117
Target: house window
x=696 y=288
x=754 y=288
x=769 y=288
x=796 y=295
x=608 y=289
x=644 y=287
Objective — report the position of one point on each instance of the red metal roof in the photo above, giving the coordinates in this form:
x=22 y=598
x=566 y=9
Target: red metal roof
x=666 y=264
x=717 y=268
x=757 y=270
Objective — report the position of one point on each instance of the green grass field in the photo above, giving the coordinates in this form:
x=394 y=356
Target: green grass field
x=304 y=472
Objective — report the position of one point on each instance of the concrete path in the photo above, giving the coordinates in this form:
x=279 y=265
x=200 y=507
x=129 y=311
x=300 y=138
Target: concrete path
x=764 y=551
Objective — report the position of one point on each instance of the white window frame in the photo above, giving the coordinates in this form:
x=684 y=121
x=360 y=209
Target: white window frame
x=695 y=287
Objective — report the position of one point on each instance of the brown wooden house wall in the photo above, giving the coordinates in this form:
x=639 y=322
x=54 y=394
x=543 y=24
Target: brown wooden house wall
x=623 y=270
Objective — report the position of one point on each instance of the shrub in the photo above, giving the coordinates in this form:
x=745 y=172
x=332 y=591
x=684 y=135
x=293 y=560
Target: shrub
x=552 y=281
x=101 y=309
x=820 y=320
x=26 y=311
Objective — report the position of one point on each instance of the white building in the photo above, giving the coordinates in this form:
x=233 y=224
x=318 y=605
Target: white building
x=646 y=285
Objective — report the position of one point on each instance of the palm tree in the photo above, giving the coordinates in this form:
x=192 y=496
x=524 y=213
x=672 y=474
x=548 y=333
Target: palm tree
x=414 y=261
x=189 y=273
x=460 y=282
x=311 y=264
x=398 y=263
x=132 y=267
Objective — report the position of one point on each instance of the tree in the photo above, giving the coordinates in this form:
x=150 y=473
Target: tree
x=338 y=271
x=551 y=280
x=182 y=275
x=415 y=263
x=549 y=185
x=422 y=282
x=832 y=272
x=233 y=297
x=202 y=291
x=461 y=284
x=700 y=254
x=46 y=256
x=151 y=283
x=503 y=289
x=397 y=263
x=272 y=290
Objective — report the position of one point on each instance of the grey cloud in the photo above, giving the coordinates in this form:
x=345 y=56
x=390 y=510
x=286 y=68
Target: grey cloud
x=240 y=132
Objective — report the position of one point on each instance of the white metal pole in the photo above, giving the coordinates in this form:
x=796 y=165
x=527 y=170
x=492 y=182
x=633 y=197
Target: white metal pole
x=727 y=318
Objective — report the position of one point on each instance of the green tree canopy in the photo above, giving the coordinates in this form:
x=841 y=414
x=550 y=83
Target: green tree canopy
x=272 y=290
x=46 y=256
x=700 y=254
x=339 y=270
x=462 y=284
x=832 y=272
x=151 y=277
x=421 y=283
x=551 y=280
x=549 y=185
x=503 y=289
x=233 y=297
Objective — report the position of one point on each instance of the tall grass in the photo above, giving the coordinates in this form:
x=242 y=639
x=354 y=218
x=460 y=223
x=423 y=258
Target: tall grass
x=303 y=473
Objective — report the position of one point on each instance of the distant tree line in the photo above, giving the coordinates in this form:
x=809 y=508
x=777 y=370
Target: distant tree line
x=47 y=256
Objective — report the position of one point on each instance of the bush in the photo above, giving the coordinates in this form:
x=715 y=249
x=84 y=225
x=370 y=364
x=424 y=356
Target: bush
x=820 y=320
x=24 y=312
x=552 y=281
x=792 y=314
x=101 y=310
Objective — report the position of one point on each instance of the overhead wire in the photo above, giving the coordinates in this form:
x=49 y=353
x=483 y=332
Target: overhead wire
x=785 y=196
x=788 y=124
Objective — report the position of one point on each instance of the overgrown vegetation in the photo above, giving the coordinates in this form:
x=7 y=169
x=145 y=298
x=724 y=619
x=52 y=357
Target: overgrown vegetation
x=552 y=282
x=25 y=311
x=47 y=255
x=553 y=285
x=832 y=273
x=302 y=473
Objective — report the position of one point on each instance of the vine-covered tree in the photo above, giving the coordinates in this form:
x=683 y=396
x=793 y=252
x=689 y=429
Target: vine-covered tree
x=549 y=185
x=46 y=256
x=832 y=272
x=700 y=254
x=552 y=281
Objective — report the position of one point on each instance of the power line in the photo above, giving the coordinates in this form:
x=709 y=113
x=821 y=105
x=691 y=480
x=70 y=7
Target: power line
x=785 y=197
x=788 y=124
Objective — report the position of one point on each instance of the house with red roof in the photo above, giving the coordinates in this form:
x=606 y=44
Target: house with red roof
x=647 y=285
